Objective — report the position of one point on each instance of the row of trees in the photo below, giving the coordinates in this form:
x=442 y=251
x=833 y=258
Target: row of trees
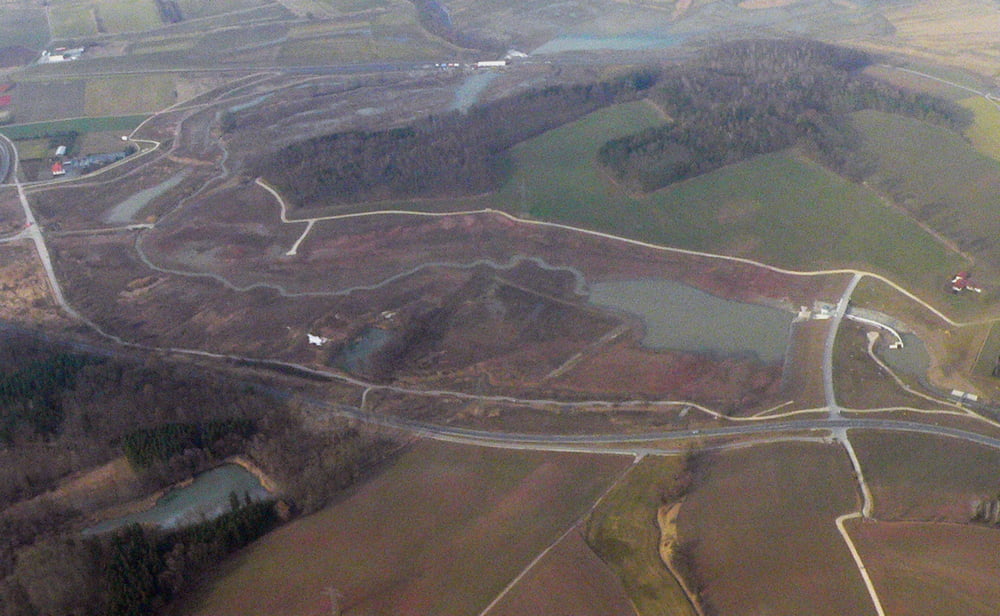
x=447 y=155
x=754 y=97
x=145 y=447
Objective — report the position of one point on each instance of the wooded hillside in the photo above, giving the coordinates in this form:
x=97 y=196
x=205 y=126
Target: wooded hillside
x=455 y=154
x=755 y=97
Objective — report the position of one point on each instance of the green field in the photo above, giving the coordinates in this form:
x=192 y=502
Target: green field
x=940 y=178
x=128 y=94
x=75 y=18
x=23 y=26
x=779 y=208
x=353 y=6
x=385 y=43
x=989 y=353
x=194 y=9
x=38 y=130
x=441 y=531
x=31 y=149
x=985 y=129
x=72 y=20
x=623 y=532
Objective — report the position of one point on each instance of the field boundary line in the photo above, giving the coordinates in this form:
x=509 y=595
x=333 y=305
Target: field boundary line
x=865 y=513
x=857 y=559
x=637 y=457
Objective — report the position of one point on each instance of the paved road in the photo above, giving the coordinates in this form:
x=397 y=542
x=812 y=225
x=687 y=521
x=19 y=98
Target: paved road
x=637 y=443
x=33 y=231
x=831 y=337
x=7 y=155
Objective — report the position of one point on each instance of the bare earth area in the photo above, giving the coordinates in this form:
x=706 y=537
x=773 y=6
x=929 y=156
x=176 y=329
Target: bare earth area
x=926 y=569
x=570 y=579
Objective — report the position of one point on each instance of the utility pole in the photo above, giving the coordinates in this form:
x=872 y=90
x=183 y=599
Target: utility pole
x=335 y=597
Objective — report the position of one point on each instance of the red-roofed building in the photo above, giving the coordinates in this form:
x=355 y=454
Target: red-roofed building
x=960 y=282
x=5 y=100
x=6 y=86
x=57 y=169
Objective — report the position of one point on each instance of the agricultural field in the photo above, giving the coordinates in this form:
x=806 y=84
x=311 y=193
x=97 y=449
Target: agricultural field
x=570 y=579
x=197 y=9
x=953 y=191
x=35 y=130
x=128 y=94
x=985 y=129
x=376 y=42
x=355 y=6
x=768 y=513
x=926 y=478
x=988 y=356
x=622 y=530
x=69 y=21
x=958 y=33
x=447 y=527
x=926 y=569
x=42 y=101
x=777 y=208
x=76 y=18
x=24 y=25
x=31 y=149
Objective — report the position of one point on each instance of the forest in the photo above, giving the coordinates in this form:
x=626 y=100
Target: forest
x=755 y=97
x=734 y=101
x=66 y=409
x=450 y=155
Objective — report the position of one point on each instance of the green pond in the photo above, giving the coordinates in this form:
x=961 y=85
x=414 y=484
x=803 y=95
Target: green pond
x=911 y=359
x=204 y=498
x=680 y=317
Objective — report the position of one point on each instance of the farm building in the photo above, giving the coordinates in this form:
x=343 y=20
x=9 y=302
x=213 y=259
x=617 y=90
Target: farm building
x=57 y=169
x=5 y=100
x=960 y=282
x=490 y=64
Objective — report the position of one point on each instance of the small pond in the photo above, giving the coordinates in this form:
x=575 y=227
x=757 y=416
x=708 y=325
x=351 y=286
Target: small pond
x=207 y=495
x=128 y=209
x=354 y=356
x=680 y=317
x=911 y=359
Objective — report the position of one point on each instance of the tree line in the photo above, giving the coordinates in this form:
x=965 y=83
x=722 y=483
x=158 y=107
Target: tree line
x=754 y=97
x=132 y=571
x=449 y=155
x=145 y=447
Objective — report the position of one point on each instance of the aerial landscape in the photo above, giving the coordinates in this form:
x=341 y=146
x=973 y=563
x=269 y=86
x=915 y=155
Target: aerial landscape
x=458 y=307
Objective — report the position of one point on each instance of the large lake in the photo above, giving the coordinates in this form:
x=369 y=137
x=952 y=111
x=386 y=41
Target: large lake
x=206 y=497
x=680 y=317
